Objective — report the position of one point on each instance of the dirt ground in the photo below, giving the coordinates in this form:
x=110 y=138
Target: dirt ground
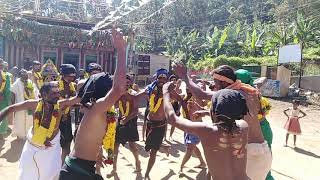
x=301 y=163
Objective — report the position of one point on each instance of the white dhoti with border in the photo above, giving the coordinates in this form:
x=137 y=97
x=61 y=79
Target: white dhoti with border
x=259 y=160
x=38 y=163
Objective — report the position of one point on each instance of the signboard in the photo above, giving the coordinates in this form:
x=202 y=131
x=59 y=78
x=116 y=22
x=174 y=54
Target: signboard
x=143 y=65
x=289 y=53
x=271 y=88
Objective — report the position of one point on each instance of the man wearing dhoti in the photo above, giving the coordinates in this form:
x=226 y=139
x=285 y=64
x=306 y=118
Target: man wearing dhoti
x=41 y=155
x=23 y=89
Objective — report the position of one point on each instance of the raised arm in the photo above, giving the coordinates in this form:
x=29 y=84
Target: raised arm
x=196 y=91
x=25 y=105
x=119 y=81
x=197 y=128
x=69 y=102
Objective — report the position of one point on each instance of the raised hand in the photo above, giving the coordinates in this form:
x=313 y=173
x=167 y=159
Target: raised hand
x=118 y=41
x=180 y=70
x=119 y=81
x=168 y=87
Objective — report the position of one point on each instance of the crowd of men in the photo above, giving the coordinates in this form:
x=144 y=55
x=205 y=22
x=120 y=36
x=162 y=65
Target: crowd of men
x=235 y=144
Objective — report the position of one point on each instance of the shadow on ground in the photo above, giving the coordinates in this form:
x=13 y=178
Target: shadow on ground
x=13 y=154
x=305 y=152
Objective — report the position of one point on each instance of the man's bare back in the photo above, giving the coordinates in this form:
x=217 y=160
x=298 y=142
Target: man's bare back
x=226 y=154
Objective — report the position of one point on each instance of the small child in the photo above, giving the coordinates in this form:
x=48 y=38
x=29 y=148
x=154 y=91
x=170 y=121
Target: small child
x=292 y=125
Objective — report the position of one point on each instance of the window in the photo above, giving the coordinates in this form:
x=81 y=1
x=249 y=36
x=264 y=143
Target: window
x=90 y=59
x=52 y=55
x=71 y=58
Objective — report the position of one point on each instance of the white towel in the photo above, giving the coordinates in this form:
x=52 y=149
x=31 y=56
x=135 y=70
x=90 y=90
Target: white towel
x=259 y=160
x=40 y=163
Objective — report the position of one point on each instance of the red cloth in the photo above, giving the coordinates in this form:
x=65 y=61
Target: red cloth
x=293 y=126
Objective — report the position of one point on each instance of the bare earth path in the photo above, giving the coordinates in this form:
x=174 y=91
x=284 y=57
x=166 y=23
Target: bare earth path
x=300 y=163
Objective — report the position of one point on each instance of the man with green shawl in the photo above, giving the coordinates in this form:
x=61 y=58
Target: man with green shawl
x=4 y=96
x=245 y=77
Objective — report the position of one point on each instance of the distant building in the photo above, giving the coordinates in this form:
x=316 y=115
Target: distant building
x=27 y=38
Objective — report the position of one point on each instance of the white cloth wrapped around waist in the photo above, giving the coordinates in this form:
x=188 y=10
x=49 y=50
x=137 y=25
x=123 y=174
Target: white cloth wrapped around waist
x=258 y=148
x=259 y=160
x=40 y=162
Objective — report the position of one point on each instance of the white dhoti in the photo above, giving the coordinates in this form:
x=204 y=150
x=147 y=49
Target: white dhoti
x=37 y=163
x=259 y=160
x=22 y=122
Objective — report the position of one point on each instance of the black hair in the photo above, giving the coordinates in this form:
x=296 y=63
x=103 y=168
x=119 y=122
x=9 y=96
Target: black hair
x=47 y=86
x=226 y=71
x=296 y=101
x=172 y=76
x=228 y=105
x=20 y=72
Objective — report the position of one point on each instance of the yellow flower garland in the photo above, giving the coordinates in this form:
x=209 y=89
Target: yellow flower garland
x=3 y=83
x=154 y=108
x=30 y=89
x=40 y=133
x=126 y=114
x=265 y=108
x=38 y=78
x=109 y=138
x=72 y=90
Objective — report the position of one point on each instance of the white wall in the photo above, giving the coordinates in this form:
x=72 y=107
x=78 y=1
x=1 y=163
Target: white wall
x=157 y=62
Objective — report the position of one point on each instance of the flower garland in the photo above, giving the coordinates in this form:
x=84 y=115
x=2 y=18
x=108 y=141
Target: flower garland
x=154 y=108
x=38 y=79
x=109 y=138
x=40 y=133
x=3 y=83
x=265 y=108
x=72 y=89
x=126 y=114
x=28 y=91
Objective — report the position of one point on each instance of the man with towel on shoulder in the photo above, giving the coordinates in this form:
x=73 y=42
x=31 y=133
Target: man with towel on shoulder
x=258 y=153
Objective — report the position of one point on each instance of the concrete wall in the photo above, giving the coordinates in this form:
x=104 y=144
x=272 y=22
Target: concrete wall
x=308 y=82
x=157 y=62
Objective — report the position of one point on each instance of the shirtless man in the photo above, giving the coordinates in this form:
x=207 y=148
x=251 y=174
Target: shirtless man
x=259 y=164
x=80 y=163
x=156 y=121
x=224 y=141
x=126 y=130
x=42 y=160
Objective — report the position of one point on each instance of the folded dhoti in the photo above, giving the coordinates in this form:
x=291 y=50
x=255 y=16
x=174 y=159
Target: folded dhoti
x=259 y=160
x=38 y=162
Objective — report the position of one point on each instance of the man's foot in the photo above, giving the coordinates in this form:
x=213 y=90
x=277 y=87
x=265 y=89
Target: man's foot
x=112 y=173
x=181 y=173
x=201 y=166
x=170 y=138
x=166 y=148
x=285 y=145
